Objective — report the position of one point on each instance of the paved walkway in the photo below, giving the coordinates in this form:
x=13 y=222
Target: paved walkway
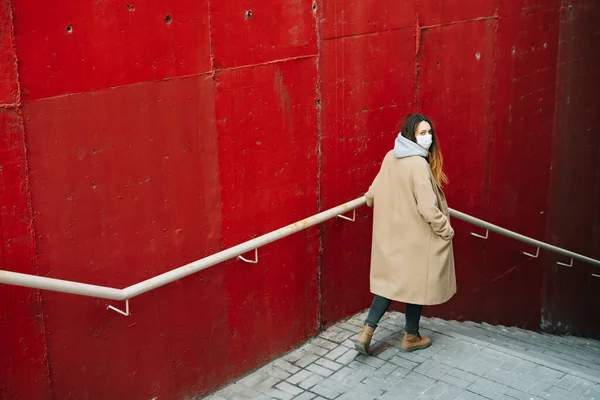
x=467 y=361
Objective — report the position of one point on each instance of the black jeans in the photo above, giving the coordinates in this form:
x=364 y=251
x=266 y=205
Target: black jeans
x=380 y=306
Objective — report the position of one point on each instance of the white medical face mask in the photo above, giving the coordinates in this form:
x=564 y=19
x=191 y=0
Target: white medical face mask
x=425 y=141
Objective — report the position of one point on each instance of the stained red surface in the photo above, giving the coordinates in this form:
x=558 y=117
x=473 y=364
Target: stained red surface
x=574 y=218
x=460 y=59
x=340 y=18
x=520 y=165
x=525 y=7
x=449 y=12
x=146 y=142
x=23 y=353
x=82 y=46
x=364 y=94
x=23 y=361
x=268 y=172
x=256 y=31
x=113 y=207
x=8 y=67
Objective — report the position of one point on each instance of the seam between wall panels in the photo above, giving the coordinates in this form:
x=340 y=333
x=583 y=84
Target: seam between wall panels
x=18 y=106
x=317 y=15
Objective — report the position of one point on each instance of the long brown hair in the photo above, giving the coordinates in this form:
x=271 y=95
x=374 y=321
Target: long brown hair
x=436 y=160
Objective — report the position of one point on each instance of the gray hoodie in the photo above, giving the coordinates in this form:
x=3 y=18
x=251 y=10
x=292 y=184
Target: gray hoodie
x=407 y=148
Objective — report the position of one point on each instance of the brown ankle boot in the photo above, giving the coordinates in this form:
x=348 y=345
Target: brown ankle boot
x=363 y=343
x=415 y=342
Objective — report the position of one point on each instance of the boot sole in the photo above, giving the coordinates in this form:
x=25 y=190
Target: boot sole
x=411 y=349
x=361 y=348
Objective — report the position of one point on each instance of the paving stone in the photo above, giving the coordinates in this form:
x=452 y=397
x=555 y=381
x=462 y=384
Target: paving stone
x=466 y=362
x=356 y=396
x=451 y=394
x=337 y=334
x=317 y=369
x=324 y=343
x=329 y=389
x=414 y=357
x=470 y=396
x=350 y=327
x=568 y=381
x=403 y=362
x=460 y=374
x=436 y=390
x=336 y=353
x=295 y=355
x=372 y=361
x=545 y=374
x=377 y=383
x=454 y=381
x=316 y=349
x=305 y=396
x=384 y=370
x=432 y=369
x=501 y=376
x=362 y=367
x=286 y=387
x=299 y=377
x=575 y=384
x=476 y=366
x=344 y=373
x=412 y=386
x=487 y=388
x=306 y=360
x=278 y=394
x=523 y=383
x=323 y=362
x=311 y=381
x=259 y=381
x=349 y=356
x=557 y=393
x=399 y=393
x=284 y=365
x=215 y=397
x=238 y=392
x=353 y=379
x=593 y=391
x=387 y=353
x=524 y=367
x=366 y=389
x=419 y=378
x=538 y=388
x=516 y=394
x=397 y=376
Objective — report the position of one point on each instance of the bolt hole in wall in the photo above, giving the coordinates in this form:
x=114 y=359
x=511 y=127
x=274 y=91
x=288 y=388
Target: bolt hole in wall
x=130 y=6
x=69 y=29
x=248 y=14
x=168 y=19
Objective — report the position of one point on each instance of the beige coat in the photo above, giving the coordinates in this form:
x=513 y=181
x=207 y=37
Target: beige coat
x=412 y=260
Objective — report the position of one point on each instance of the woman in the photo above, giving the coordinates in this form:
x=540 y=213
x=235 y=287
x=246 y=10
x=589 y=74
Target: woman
x=412 y=259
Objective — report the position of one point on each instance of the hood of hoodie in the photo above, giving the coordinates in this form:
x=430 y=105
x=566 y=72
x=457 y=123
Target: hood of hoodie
x=407 y=148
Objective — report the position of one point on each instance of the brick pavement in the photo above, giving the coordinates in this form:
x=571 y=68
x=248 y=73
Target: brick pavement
x=467 y=361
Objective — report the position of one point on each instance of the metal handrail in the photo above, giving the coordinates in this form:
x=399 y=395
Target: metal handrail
x=103 y=292
x=524 y=239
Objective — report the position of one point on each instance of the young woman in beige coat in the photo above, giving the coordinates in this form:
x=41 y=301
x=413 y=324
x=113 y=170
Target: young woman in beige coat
x=411 y=259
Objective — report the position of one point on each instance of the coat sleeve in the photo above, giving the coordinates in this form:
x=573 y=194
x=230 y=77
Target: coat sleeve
x=427 y=202
x=370 y=195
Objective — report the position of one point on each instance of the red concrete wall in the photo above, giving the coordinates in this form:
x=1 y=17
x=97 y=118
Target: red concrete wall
x=139 y=136
x=574 y=217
